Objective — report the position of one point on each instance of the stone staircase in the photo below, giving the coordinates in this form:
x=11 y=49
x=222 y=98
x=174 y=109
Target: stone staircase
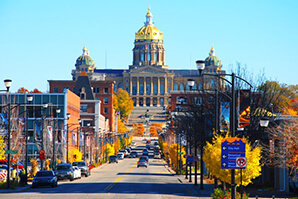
x=147 y=114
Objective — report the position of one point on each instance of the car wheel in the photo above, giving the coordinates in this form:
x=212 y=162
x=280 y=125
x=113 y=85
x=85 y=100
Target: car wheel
x=71 y=178
x=138 y=166
x=33 y=186
x=53 y=185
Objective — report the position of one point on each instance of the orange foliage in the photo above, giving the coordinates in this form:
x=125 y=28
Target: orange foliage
x=22 y=90
x=138 y=129
x=35 y=91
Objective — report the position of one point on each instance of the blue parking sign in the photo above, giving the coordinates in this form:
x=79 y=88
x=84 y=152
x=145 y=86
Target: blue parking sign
x=232 y=149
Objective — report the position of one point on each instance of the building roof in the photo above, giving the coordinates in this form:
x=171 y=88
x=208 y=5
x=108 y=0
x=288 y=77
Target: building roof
x=83 y=81
x=111 y=72
x=186 y=73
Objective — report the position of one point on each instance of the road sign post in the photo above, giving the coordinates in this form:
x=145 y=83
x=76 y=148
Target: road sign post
x=11 y=152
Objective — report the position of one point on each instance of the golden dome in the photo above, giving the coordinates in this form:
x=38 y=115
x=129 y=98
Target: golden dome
x=149 y=31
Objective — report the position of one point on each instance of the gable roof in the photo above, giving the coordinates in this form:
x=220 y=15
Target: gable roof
x=83 y=81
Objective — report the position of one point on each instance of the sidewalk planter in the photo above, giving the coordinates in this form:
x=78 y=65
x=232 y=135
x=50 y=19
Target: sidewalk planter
x=220 y=194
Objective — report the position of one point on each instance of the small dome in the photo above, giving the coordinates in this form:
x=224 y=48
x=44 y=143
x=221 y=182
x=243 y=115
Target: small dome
x=212 y=60
x=85 y=59
x=149 y=31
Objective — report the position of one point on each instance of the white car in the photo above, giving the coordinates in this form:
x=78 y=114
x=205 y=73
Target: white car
x=120 y=156
x=133 y=144
x=76 y=172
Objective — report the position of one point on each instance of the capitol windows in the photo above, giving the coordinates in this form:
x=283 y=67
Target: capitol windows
x=181 y=87
x=162 y=86
x=142 y=56
x=120 y=85
x=155 y=56
x=155 y=86
x=148 y=86
x=161 y=101
x=154 y=101
x=134 y=86
x=148 y=56
x=134 y=101
x=169 y=85
x=141 y=88
x=175 y=86
x=147 y=101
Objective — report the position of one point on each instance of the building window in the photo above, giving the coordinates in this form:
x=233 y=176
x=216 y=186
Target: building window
x=106 y=100
x=84 y=108
x=181 y=87
x=175 y=86
x=56 y=89
x=115 y=87
x=106 y=110
x=106 y=90
x=155 y=56
x=142 y=57
x=148 y=56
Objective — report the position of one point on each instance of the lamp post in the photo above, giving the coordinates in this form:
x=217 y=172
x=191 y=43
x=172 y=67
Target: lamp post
x=29 y=99
x=88 y=125
x=68 y=116
x=7 y=83
x=45 y=106
x=54 y=140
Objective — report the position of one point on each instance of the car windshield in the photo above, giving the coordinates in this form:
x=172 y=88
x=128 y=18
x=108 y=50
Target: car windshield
x=78 y=164
x=63 y=167
x=44 y=173
x=112 y=157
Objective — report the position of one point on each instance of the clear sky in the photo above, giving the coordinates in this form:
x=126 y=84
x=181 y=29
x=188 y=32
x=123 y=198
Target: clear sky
x=40 y=40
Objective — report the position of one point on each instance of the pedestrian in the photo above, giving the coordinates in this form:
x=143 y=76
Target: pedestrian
x=14 y=175
x=23 y=177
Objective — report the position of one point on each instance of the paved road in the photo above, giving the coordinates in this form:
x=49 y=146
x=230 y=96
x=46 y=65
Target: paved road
x=122 y=180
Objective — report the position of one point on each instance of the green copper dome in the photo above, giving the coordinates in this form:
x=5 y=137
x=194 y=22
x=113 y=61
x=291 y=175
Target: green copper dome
x=85 y=59
x=212 y=60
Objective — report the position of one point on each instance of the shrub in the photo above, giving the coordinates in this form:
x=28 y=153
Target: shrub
x=220 y=194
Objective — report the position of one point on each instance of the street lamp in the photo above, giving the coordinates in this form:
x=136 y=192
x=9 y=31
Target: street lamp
x=190 y=83
x=54 y=140
x=7 y=83
x=29 y=99
x=45 y=106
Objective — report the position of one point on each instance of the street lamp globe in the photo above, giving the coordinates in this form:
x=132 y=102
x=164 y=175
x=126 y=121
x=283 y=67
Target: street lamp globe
x=68 y=115
x=200 y=65
x=7 y=83
x=264 y=122
x=45 y=105
x=30 y=98
x=190 y=83
x=58 y=110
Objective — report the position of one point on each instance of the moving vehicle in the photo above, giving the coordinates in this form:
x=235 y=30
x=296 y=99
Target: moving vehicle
x=64 y=171
x=144 y=158
x=76 y=172
x=155 y=144
x=148 y=146
x=85 y=169
x=133 y=154
x=45 y=178
x=157 y=155
x=142 y=163
x=124 y=152
x=133 y=144
x=113 y=158
x=120 y=156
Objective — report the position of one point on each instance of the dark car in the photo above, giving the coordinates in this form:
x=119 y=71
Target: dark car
x=45 y=178
x=64 y=171
x=144 y=157
x=133 y=154
x=113 y=158
x=148 y=146
x=83 y=166
x=142 y=163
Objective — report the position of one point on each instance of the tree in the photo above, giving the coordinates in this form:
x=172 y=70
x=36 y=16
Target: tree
x=121 y=127
x=138 y=129
x=282 y=149
x=74 y=155
x=173 y=153
x=122 y=103
x=117 y=145
x=212 y=154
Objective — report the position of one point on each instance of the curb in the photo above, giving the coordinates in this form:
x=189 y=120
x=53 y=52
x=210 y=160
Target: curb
x=19 y=189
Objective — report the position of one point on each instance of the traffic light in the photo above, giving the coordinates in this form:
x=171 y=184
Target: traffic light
x=41 y=154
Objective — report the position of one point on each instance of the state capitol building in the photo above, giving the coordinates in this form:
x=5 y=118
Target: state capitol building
x=149 y=81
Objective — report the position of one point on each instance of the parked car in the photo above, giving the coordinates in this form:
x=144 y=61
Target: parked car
x=113 y=158
x=293 y=184
x=123 y=151
x=120 y=156
x=145 y=152
x=148 y=141
x=155 y=144
x=148 y=146
x=64 y=171
x=128 y=149
x=133 y=144
x=85 y=169
x=76 y=172
x=142 y=163
x=45 y=178
x=133 y=154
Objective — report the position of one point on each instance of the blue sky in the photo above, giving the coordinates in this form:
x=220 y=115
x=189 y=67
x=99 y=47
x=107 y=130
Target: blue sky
x=41 y=40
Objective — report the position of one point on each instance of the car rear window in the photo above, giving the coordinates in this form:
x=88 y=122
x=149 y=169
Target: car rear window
x=78 y=164
x=44 y=173
x=63 y=167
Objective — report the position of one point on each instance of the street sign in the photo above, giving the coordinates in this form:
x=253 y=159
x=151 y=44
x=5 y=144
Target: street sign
x=241 y=163
x=180 y=153
x=231 y=149
x=190 y=158
x=11 y=152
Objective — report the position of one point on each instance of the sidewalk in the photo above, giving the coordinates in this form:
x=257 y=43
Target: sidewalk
x=17 y=189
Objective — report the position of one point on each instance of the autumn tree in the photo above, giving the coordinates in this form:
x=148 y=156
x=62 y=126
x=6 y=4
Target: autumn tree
x=122 y=103
x=282 y=149
x=212 y=154
x=173 y=153
x=121 y=127
x=138 y=129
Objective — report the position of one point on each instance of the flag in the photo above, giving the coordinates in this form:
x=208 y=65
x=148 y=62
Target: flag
x=74 y=138
x=117 y=113
x=49 y=133
x=3 y=117
x=64 y=136
x=37 y=128
x=81 y=139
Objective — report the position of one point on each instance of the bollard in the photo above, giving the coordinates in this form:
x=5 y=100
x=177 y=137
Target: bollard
x=273 y=196
x=257 y=196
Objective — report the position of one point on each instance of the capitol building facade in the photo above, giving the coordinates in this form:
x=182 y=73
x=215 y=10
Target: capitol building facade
x=149 y=81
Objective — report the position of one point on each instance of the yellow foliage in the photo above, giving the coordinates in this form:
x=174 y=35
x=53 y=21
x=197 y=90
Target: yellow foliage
x=117 y=145
x=33 y=170
x=212 y=154
x=2 y=148
x=122 y=102
x=74 y=155
x=173 y=153
x=109 y=149
x=47 y=164
x=121 y=127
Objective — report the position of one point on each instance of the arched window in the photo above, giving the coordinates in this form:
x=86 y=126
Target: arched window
x=148 y=56
x=142 y=56
x=169 y=85
x=175 y=86
x=162 y=86
x=155 y=56
x=141 y=87
x=148 y=86
x=181 y=87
